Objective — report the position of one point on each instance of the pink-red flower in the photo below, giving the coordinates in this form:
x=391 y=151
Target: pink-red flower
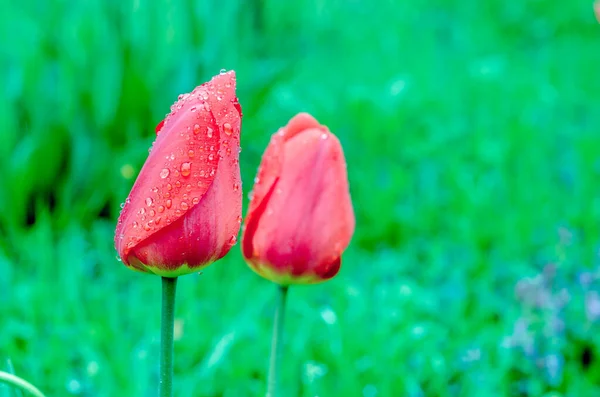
x=184 y=210
x=300 y=217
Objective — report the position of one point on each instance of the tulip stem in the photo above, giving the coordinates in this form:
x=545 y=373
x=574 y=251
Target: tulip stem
x=167 y=324
x=277 y=341
x=16 y=382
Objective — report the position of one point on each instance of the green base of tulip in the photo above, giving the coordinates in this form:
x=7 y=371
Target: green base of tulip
x=284 y=278
x=182 y=270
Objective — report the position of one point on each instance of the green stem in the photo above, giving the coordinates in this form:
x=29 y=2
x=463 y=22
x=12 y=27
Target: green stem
x=19 y=383
x=167 y=323
x=277 y=341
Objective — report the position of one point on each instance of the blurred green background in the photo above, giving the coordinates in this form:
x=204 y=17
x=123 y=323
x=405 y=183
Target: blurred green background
x=472 y=134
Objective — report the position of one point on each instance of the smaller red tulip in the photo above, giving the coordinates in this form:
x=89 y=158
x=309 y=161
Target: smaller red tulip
x=300 y=218
x=184 y=210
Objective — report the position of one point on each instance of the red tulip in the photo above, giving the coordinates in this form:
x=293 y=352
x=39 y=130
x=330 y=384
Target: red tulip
x=300 y=217
x=184 y=210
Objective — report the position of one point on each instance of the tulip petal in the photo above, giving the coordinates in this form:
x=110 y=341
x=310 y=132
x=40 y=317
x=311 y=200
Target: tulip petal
x=183 y=163
x=270 y=168
x=298 y=229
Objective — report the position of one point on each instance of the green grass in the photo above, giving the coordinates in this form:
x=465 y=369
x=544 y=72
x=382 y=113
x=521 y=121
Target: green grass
x=472 y=134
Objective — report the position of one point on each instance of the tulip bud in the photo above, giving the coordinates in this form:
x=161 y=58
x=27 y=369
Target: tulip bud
x=300 y=217
x=184 y=210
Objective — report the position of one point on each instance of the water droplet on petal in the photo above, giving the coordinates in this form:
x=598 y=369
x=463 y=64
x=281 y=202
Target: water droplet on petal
x=185 y=169
x=211 y=156
x=148 y=201
x=202 y=173
x=168 y=204
x=164 y=173
x=122 y=205
x=195 y=200
x=169 y=186
x=222 y=71
x=119 y=258
x=177 y=184
x=184 y=205
x=157 y=220
x=188 y=188
x=196 y=128
x=160 y=208
x=233 y=240
x=324 y=135
x=236 y=187
x=239 y=219
x=227 y=129
x=193 y=109
x=209 y=132
x=152 y=213
x=191 y=153
x=212 y=172
x=135 y=225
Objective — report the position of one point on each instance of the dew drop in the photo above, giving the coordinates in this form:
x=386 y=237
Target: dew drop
x=209 y=132
x=168 y=203
x=148 y=201
x=157 y=220
x=177 y=212
x=191 y=153
x=195 y=200
x=202 y=173
x=227 y=129
x=188 y=188
x=228 y=151
x=212 y=172
x=135 y=225
x=177 y=184
x=223 y=71
x=239 y=219
x=167 y=194
x=233 y=240
x=160 y=208
x=185 y=169
x=147 y=226
x=152 y=213
x=212 y=148
x=122 y=205
x=184 y=205
x=211 y=156
x=164 y=173
x=169 y=186
x=119 y=258
x=236 y=187
x=324 y=136
x=196 y=128
x=193 y=109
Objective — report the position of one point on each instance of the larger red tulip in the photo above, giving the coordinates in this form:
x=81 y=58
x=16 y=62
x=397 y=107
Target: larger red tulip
x=184 y=210
x=300 y=217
